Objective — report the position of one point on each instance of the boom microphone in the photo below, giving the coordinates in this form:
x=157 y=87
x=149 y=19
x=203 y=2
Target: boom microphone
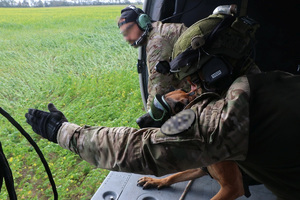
x=138 y=41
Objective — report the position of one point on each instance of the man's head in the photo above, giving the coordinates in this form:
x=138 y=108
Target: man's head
x=133 y=23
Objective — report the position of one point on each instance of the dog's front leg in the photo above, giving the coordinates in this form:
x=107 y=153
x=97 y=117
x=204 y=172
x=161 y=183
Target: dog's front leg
x=148 y=182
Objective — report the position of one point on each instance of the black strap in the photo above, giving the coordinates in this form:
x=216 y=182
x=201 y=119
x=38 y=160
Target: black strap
x=30 y=140
x=185 y=58
x=246 y=179
x=225 y=23
x=6 y=174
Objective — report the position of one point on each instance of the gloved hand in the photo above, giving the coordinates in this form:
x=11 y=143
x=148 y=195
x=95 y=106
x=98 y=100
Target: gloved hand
x=44 y=123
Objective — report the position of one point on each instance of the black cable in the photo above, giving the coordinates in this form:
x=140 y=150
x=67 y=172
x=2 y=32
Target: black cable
x=178 y=14
x=6 y=173
x=37 y=149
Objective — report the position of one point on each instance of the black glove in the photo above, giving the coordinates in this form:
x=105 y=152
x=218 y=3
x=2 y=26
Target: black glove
x=44 y=123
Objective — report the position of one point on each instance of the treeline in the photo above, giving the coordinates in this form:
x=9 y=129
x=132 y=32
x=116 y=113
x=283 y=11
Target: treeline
x=56 y=3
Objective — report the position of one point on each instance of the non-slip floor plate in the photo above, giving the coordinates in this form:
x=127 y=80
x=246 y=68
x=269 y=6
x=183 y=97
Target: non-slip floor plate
x=123 y=186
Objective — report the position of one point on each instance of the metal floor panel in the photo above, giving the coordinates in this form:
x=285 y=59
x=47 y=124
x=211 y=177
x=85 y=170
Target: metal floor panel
x=123 y=186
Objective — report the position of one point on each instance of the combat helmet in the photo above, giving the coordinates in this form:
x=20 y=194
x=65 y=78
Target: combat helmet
x=215 y=48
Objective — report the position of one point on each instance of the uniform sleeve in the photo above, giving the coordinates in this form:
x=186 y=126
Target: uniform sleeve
x=218 y=132
x=223 y=123
x=127 y=149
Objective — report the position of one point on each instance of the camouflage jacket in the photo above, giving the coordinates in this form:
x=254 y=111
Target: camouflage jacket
x=160 y=43
x=218 y=132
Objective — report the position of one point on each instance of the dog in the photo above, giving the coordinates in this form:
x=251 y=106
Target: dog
x=227 y=173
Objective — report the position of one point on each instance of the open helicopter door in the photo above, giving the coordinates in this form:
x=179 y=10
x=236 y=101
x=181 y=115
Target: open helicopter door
x=153 y=9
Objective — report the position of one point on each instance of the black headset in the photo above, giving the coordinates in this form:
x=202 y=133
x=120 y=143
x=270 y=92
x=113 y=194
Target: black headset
x=143 y=20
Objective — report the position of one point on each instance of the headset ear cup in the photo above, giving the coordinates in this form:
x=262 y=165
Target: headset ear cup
x=143 y=21
x=217 y=74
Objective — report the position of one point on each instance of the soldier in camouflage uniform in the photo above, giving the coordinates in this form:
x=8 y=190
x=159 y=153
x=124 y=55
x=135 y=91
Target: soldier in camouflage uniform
x=159 y=45
x=160 y=40
x=264 y=143
x=159 y=48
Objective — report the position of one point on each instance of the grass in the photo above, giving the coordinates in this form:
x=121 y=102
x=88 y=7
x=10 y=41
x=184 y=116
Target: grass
x=75 y=58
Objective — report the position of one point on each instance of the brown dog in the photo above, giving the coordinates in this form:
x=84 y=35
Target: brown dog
x=227 y=173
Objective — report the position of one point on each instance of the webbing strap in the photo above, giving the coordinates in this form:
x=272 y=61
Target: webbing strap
x=6 y=174
x=184 y=58
x=36 y=148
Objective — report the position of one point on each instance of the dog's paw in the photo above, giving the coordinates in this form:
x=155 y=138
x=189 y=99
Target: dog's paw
x=147 y=182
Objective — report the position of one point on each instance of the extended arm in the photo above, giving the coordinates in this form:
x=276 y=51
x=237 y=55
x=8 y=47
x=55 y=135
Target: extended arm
x=218 y=131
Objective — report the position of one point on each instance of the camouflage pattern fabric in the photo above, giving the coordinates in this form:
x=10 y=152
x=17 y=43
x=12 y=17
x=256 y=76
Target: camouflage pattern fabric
x=219 y=132
x=159 y=47
x=160 y=44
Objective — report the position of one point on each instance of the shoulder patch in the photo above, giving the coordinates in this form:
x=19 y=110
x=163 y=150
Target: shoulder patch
x=178 y=123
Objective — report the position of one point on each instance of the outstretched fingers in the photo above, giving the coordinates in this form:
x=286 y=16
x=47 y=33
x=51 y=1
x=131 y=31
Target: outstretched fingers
x=33 y=115
x=29 y=118
x=52 y=108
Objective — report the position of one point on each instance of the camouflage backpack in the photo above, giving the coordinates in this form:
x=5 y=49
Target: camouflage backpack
x=210 y=43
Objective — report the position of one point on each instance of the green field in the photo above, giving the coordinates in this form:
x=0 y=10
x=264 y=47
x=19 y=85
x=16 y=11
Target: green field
x=75 y=58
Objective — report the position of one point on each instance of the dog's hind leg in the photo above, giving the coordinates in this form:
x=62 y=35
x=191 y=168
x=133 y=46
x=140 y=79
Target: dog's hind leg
x=229 y=176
